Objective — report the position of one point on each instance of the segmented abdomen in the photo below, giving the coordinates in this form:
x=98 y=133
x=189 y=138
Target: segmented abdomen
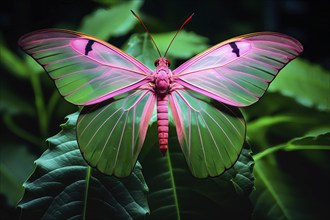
x=162 y=121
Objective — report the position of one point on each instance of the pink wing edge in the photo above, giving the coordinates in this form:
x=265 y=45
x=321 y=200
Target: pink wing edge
x=145 y=118
x=181 y=68
x=298 y=47
x=145 y=71
x=175 y=109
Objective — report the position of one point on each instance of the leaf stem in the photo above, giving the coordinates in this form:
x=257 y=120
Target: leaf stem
x=271 y=190
x=11 y=125
x=40 y=105
x=87 y=178
x=267 y=151
x=52 y=103
x=176 y=202
x=287 y=147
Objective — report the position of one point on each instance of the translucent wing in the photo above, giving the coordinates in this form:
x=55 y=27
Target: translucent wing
x=211 y=136
x=238 y=71
x=86 y=70
x=111 y=134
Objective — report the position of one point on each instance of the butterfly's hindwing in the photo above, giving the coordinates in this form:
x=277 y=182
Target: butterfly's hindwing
x=211 y=136
x=111 y=134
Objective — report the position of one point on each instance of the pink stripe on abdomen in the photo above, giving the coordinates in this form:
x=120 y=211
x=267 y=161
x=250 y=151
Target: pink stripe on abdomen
x=162 y=122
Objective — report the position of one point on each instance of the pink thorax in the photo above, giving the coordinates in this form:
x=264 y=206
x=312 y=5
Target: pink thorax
x=163 y=76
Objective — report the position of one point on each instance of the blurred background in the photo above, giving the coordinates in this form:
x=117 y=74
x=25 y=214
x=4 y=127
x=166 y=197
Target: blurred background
x=216 y=20
x=31 y=109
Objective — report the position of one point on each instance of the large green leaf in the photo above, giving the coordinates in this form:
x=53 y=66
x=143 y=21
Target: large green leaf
x=308 y=83
x=176 y=194
x=64 y=187
x=185 y=45
x=114 y=21
x=141 y=47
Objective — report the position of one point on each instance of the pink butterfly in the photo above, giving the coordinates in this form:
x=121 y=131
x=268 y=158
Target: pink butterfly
x=111 y=129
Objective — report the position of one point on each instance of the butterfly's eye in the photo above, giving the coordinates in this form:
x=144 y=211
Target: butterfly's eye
x=156 y=62
x=168 y=63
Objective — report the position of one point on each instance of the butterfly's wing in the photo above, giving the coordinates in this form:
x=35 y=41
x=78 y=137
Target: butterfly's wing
x=210 y=135
x=238 y=71
x=111 y=134
x=86 y=70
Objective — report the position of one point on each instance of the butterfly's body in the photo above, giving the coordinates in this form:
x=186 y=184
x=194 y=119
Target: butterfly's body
x=111 y=129
x=162 y=87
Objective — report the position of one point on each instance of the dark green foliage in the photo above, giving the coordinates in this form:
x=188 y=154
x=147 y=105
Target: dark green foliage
x=58 y=187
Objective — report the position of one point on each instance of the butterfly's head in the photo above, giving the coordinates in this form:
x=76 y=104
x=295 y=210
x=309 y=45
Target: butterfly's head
x=161 y=61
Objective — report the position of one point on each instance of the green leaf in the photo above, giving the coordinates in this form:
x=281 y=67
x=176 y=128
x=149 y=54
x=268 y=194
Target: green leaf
x=259 y=130
x=320 y=142
x=175 y=193
x=308 y=83
x=141 y=47
x=64 y=187
x=277 y=119
x=15 y=165
x=185 y=45
x=115 y=21
x=316 y=148
x=310 y=142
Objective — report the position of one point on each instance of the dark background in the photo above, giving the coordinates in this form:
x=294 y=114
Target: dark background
x=306 y=20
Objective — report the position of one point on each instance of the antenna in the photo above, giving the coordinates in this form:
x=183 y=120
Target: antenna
x=185 y=22
x=145 y=27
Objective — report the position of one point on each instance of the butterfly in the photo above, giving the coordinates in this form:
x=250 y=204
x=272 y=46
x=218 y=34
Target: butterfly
x=120 y=95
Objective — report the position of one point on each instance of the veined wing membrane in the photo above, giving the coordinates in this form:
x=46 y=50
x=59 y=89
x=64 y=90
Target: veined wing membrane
x=238 y=71
x=111 y=134
x=85 y=70
x=211 y=136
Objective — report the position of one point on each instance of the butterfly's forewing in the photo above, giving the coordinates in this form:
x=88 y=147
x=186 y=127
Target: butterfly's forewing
x=111 y=134
x=86 y=70
x=238 y=71
x=210 y=136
